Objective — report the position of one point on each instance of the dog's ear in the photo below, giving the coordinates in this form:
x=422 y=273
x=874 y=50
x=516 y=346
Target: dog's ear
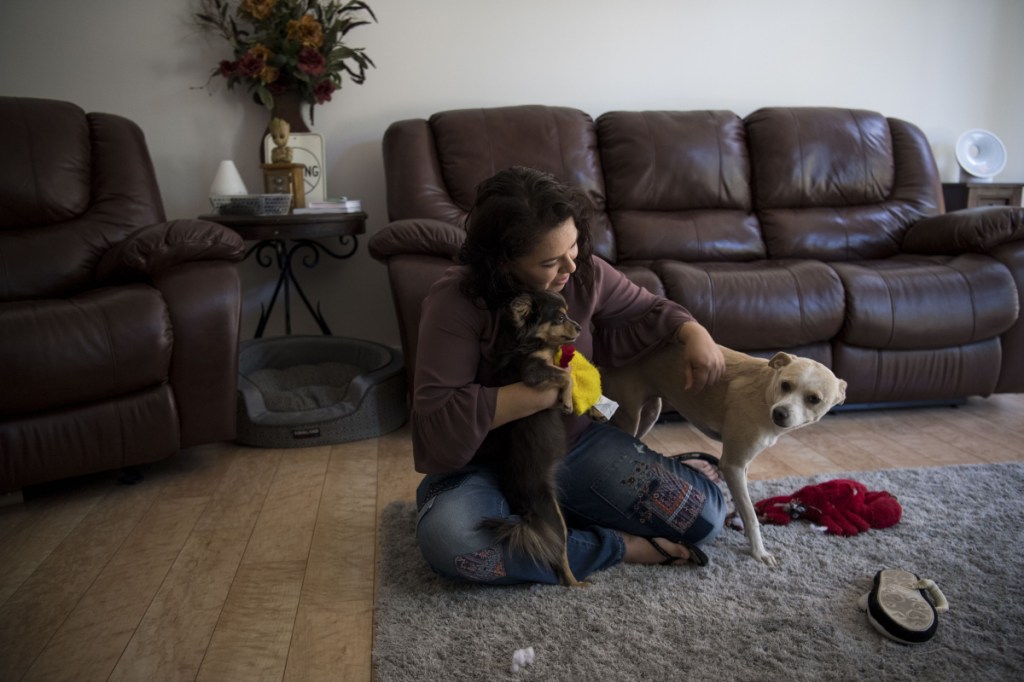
x=520 y=309
x=780 y=359
x=842 y=393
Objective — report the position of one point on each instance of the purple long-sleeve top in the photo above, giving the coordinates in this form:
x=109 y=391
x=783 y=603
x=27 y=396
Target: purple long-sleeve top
x=455 y=394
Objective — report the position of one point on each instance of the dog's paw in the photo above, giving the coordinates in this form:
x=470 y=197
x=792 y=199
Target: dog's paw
x=766 y=558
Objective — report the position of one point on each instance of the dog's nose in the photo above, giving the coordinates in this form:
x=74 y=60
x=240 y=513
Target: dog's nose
x=780 y=415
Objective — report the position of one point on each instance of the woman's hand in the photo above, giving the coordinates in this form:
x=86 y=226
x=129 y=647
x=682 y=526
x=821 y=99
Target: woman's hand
x=702 y=358
x=518 y=400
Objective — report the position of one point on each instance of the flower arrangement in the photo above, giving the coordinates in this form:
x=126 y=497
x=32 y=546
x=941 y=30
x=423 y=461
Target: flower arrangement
x=288 y=46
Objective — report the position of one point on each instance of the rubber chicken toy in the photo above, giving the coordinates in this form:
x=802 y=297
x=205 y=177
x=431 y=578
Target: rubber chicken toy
x=586 y=385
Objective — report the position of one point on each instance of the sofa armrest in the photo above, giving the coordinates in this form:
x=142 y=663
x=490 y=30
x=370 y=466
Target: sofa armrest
x=156 y=248
x=204 y=305
x=425 y=236
x=972 y=230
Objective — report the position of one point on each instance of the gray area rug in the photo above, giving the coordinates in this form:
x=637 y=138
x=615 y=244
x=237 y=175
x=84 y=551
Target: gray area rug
x=734 y=619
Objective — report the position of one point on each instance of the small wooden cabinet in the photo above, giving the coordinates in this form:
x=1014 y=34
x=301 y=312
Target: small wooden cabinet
x=960 y=195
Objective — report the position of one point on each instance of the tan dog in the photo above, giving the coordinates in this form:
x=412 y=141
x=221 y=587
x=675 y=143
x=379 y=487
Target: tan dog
x=754 y=403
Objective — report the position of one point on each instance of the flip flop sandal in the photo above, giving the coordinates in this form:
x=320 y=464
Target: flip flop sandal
x=903 y=607
x=696 y=556
x=710 y=459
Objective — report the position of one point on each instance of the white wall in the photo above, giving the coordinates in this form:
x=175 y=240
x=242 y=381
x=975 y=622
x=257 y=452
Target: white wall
x=946 y=65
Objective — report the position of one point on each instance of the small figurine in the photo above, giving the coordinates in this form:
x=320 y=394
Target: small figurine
x=279 y=131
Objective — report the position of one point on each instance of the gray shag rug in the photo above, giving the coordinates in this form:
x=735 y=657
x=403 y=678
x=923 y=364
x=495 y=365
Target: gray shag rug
x=735 y=619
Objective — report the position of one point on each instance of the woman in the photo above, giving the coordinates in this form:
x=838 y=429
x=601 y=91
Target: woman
x=622 y=501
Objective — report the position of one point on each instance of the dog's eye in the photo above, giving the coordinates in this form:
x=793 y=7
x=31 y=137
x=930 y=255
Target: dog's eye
x=786 y=387
x=813 y=399
x=560 y=319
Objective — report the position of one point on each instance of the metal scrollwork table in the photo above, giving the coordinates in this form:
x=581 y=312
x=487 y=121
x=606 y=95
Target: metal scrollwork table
x=282 y=238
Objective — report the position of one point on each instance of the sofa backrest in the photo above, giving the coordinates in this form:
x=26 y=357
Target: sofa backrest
x=432 y=167
x=802 y=182
x=71 y=184
x=838 y=184
x=678 y=185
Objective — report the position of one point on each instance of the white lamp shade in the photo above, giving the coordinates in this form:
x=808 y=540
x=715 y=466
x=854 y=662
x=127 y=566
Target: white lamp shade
x=227 y=182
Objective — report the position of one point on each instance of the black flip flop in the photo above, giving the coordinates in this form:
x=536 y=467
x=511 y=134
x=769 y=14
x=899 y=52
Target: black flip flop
x=696 y=556
x=703 y=456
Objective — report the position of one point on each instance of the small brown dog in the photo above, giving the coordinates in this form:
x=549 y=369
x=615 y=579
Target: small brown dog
x=754 y=403
x=525 y=453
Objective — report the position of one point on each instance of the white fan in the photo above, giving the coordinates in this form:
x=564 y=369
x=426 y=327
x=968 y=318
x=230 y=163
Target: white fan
x=981 y=154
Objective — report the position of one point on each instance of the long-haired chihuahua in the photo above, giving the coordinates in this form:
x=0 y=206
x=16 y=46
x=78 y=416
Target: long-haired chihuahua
x=525 y=453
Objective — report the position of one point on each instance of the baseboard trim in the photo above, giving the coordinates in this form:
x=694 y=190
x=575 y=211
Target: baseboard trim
x=900 y=404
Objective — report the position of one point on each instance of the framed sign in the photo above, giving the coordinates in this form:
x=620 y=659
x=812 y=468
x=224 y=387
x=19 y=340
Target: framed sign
x=307 y=149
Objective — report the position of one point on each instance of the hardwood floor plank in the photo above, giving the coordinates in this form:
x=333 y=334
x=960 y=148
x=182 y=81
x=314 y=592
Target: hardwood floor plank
x=334 y=644
x=172 y=638
x=31 y=615
x=240 y=497
x=252 y=636
x=991 y=435
x=41 y=527
x=676 y=437
x=775 y=462
x=843 y=442
x=797 y=457
x=397 y=477
x=336 y=603
x=286 y=521
x=88 y=644
x=251 y=639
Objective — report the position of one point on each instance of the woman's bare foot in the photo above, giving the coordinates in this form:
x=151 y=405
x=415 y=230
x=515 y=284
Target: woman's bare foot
x=640 y=551
x=704 y=467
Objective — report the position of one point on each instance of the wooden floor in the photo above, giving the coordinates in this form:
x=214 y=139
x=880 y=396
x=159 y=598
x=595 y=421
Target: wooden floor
x=233 y=563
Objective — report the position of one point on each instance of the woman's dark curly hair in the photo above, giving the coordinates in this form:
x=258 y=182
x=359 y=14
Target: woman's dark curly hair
x=514 y=209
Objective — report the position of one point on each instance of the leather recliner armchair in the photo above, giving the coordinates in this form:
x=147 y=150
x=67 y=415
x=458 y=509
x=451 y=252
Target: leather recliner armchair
x=118 y=329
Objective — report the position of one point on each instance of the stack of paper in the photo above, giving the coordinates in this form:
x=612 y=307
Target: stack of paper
x=334 y=205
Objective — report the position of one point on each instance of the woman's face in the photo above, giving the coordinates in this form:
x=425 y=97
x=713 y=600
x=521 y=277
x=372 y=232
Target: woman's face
x=552 y=260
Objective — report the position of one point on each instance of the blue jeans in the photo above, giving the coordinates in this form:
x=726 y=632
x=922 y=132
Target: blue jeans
x=609 y=482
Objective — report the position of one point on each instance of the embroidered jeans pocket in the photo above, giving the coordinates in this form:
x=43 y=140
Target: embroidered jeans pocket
x=650 y=493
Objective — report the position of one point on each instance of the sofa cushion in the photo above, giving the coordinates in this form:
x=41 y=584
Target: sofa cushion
x=92 y=183
x=920 y=302
x=474 y=144
x=640 y=273
x=789 y=303
x=833 y=184
x=880 y=377
x=678 y=185
x=123 y=431
x=51 y=138
x=121 y=343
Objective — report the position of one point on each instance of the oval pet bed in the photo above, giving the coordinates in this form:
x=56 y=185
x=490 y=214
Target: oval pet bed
x=298 y=391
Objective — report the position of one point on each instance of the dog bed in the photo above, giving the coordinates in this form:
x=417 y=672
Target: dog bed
x=299 y=391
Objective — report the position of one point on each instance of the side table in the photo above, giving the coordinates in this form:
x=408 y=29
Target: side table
x=285 y=236
x=960 y=195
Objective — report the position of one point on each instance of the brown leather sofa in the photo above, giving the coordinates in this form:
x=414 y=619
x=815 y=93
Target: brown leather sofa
x=820 y=231
x=118 y=330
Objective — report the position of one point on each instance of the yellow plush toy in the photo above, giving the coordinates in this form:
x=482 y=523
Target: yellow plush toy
x=586 y=383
